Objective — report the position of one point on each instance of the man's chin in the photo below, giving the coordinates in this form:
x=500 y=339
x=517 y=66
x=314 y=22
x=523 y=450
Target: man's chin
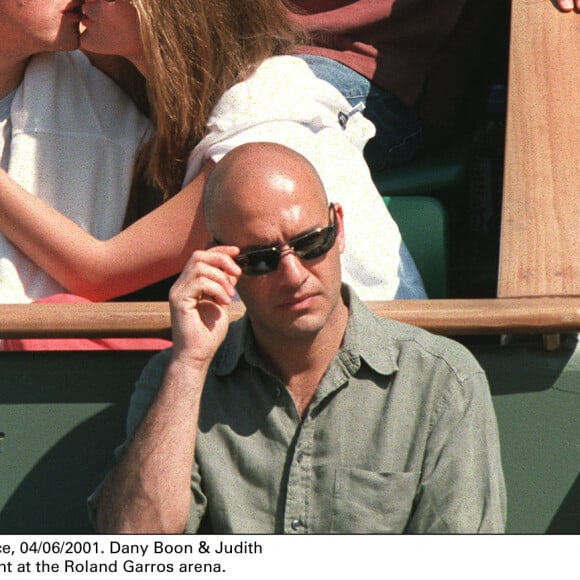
x=302 y=324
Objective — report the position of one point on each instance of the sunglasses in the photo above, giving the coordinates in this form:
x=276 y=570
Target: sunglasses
x=310 y=246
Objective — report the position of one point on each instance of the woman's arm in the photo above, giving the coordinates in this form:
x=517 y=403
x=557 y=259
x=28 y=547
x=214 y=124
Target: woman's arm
x=153 y=248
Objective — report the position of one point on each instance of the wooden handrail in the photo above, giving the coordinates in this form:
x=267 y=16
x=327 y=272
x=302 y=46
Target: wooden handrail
x=486 y=316
x=152 y=319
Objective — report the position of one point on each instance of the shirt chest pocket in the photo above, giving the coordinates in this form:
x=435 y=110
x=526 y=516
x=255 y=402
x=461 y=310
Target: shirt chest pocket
x=367 y=502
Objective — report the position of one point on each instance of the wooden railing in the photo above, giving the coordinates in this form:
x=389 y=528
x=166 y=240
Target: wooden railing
x=152 y=319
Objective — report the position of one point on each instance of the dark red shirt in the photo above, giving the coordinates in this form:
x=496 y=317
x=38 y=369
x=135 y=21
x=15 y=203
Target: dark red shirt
x=421 y=50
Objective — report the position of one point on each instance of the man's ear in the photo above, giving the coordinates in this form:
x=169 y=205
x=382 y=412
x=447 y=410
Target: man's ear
x=340 y=238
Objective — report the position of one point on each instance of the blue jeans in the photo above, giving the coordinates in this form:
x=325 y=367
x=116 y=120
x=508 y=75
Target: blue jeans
x=399 y=130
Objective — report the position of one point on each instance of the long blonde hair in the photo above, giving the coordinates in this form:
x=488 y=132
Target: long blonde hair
x=195 y=50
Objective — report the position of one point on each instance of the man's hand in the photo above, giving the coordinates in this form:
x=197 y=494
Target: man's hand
x=149 y=491
x=199 y=300
x=568 y=5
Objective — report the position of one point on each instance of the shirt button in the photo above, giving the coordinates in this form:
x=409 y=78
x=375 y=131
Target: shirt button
x=296 y=524
x=278 y=392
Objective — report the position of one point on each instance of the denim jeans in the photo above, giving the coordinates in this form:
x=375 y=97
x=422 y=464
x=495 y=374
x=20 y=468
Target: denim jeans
x=399 y=131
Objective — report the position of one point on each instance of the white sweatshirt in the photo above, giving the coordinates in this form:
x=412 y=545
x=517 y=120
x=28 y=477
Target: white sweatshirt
x=284 y=102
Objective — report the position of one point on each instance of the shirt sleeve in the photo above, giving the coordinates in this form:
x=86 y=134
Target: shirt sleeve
x=462 y=489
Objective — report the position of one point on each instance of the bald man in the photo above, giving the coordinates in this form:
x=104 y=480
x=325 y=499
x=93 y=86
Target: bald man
x=310 y=414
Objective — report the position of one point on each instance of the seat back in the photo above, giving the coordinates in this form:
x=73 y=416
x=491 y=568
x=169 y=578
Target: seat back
x=61 y=416
x=422 y=221
x=435 y=172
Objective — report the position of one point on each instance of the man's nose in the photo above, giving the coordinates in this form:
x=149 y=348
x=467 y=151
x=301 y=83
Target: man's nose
x=292 y=268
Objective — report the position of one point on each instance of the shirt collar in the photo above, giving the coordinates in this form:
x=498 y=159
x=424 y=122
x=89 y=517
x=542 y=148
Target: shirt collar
x=236 y=343
x=365 y=339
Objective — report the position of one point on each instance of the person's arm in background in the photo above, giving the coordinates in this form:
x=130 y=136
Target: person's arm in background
x=153 y=248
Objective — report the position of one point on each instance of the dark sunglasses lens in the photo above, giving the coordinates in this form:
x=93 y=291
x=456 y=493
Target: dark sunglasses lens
x=307 y=247
x=316 y=244
x=259 y=263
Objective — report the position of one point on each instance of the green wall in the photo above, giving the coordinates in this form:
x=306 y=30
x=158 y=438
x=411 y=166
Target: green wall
x=62 y=414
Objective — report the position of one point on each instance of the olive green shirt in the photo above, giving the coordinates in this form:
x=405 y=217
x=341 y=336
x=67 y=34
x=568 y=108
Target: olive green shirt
x=401 y=436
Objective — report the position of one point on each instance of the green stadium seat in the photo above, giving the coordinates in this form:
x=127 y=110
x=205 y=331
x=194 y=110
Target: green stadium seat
x=422 y=221
x=415 y=194
x=435 y=172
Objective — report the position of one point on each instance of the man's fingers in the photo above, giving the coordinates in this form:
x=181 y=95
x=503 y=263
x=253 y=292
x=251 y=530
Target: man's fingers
x=214 y=291
x=210 y=274
x=224 y=256
x=206 y=288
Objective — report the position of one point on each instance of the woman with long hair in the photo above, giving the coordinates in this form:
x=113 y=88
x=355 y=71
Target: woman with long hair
x=219 y=73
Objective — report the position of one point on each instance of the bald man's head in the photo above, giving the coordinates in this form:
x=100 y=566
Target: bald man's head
x=255 y=174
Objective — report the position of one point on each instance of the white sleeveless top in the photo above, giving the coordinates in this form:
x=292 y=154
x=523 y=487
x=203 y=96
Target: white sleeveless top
x=73 y=143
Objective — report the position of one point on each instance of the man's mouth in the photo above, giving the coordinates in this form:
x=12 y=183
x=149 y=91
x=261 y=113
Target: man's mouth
x=297 y=301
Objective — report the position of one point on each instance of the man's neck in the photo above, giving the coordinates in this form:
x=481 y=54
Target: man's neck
x=300 y=362
x=11 y=74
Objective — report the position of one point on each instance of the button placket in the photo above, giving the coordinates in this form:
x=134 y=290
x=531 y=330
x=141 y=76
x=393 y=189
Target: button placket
x=299 y=480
